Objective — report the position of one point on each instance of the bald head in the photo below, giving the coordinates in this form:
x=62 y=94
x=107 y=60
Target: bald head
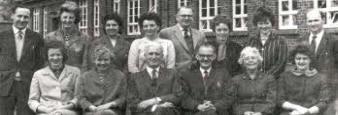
x=314 y=21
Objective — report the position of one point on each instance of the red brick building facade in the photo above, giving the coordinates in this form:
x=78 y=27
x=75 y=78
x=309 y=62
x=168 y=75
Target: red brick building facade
x=289 y=14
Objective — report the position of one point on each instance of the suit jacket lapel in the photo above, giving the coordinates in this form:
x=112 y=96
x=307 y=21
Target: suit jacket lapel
x=180 y=37
x=119 y=45
x=322 y=44
x=27 y=44
x=11 y=43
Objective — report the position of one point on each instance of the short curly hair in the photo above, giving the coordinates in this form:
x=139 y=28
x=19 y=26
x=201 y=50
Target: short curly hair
x=71 y=7
x=101 y=50
x=116 y=17
x=247 y=50
x=53 y=44
x=219 y=19
x=305 y=50
x=263 y=14
x=150 y=16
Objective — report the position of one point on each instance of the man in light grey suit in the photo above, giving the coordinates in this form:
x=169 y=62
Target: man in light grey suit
x=184 y=37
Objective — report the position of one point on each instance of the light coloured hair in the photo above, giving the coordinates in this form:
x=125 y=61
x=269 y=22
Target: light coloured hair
x=102 y=51
x=153 y=45
x=248 y=50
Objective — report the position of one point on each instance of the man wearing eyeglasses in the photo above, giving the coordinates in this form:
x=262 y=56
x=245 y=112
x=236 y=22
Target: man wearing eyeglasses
x=184 y=37
x=204 y=87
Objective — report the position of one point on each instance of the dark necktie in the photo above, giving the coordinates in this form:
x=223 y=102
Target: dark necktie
x=153 y=78
x=313 y=44
x=188 y=40
x=206 y=75
x=20 y=36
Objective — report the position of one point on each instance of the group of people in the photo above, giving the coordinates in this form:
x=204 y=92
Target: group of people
x=170 y=71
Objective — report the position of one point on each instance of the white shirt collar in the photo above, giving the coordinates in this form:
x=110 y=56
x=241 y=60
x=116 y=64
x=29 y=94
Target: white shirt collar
x=16 y=30
x=202 y=71
x=319 y=37
x=150 y=70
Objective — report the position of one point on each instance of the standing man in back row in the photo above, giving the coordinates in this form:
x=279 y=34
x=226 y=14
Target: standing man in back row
x=184 y=37
x=20 y=55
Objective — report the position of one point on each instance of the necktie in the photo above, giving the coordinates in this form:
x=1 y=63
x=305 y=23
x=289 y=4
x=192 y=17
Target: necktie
x=313 y=44
x=20 y=35
x=206 y=75
x=188 y=40
x=153 y=78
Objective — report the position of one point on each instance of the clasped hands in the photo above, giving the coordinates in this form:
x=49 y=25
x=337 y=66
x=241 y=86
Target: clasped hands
x=93 y=108
x=252 y=113
x=54 y=110
x=205 y=106
x=153 y=101
x=304 y=111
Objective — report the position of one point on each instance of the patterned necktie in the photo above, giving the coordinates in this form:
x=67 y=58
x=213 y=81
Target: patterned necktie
x=188 y=40
x=206 y=75
x=313 y=44
x=20 y=35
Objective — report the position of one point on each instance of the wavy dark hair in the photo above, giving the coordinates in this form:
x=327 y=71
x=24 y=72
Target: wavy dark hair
x=114 y=16
x=263 y=14
x=70 y=7
x=150 y=16
x=305 y=50
x=53 y=44
x=221 y=19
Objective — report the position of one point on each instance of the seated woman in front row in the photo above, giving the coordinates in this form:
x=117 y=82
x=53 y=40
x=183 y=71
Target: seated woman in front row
x=303 y=91
x=52 y=88
x=253 y=92
x=102 y=89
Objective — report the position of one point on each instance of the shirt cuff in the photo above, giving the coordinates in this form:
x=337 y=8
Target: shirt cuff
x=314 y=110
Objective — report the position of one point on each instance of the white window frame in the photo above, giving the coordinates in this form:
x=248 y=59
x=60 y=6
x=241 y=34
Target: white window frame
x=96 y=18
x=45 y=21
x=132 y=26
x=291 y=12
x=116 y=6
x=153 y=4
x=327 y=11
x=36 y=20
x=181 y=3
x=83 y=25
x=208 y=18
x=242 y=16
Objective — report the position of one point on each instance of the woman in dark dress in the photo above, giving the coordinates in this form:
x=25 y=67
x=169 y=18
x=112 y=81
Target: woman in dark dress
x=303 y=90
x=253 y=92
x=227 y=50
x=114 y=41
x=101 y=91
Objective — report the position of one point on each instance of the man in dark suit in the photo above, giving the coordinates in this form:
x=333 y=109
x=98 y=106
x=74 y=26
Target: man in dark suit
x=321 y=44
x=205 y=87
x=155 y=90
x=184 y=37
x=20 y=55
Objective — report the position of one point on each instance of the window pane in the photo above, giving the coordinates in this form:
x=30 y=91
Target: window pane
x=238 y=9
x=131 y=12
x=295 y=5
x=212 y=3
x=136 y=3
x=204 y=24
x=238 y=2
x=136 y=11
x=204 y=3
x=204 y=12
x=130 y=19
x=245 y=21
x=334 y=3
x=324 y=18
x=321 y=3
x=285 y=20
x=285 y=5
x=131 y=29
x=131 y=4
x=212 y=12
x=245 y=9
x=238 y=22
x=136 y=28
x=136 y=19
x=334 y=17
